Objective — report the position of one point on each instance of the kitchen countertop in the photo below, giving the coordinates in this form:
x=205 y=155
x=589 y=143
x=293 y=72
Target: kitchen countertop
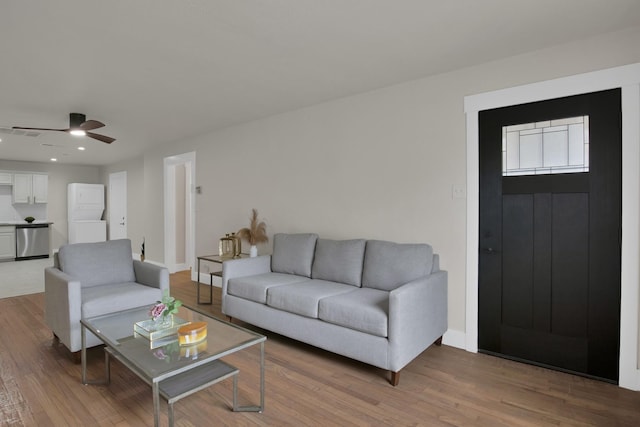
x=24 y=222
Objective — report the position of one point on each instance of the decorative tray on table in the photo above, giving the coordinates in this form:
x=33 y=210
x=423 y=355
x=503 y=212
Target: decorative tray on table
x=150 y=329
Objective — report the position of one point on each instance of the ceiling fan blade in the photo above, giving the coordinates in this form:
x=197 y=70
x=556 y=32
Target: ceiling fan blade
x=102 y=138
x=59 y=130
x=91 y=125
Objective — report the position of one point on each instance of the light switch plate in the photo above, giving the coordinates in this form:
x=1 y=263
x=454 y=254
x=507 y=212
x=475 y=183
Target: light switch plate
x=458 y=192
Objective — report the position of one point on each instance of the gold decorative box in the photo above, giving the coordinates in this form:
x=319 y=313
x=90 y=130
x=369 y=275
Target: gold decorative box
x=192 y=333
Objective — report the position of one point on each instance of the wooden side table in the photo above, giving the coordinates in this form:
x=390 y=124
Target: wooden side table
x=216 y=259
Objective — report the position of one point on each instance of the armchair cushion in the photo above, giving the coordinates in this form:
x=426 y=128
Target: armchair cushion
x=98 y=263
x=99 y=300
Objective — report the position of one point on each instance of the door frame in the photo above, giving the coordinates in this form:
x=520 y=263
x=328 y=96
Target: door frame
x=628 y=79
x=170 y=163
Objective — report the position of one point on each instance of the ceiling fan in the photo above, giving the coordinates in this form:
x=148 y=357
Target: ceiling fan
x=79 y=125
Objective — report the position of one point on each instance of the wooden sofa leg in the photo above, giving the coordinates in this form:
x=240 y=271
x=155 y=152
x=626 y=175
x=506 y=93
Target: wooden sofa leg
x=76 y=357
x=395 y=378
x=56 y=340
x=439 y=341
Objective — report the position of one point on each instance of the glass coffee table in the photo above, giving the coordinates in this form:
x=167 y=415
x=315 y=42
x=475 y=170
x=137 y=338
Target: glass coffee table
x=173 y=371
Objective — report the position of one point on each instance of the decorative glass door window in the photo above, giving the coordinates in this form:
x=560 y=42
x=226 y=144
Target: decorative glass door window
x=549 y=147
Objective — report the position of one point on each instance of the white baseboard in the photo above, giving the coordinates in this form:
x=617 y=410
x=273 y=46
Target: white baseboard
x=454 y=338
x=630 y=381
x=205 y=278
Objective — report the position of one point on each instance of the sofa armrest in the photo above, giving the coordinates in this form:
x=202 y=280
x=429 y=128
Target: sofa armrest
x=243 y=267
x=151 y=275
x=63 y=306
x=417 y=317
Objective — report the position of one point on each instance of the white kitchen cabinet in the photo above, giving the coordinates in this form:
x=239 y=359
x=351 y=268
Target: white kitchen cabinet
x=40 y=188
x=7 y=242
x=30 y=188
x=22 y=183
x=6 y=178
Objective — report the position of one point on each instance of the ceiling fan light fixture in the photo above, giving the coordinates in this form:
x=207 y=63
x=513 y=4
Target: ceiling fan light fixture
x=78 y=126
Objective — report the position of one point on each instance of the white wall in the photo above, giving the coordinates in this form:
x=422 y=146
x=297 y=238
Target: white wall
x=59 y=176
x=378 y=165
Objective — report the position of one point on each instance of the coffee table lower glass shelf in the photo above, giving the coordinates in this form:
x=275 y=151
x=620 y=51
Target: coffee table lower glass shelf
x=173 y=371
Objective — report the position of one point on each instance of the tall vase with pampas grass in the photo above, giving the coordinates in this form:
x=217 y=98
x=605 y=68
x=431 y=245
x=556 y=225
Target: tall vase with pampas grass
x=254 y=234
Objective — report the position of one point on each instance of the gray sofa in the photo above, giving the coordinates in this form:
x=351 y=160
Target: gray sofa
x=378 y=302
x=90 y=279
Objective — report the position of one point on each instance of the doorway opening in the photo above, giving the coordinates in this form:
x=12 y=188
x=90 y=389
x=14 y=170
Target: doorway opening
x=179 y=212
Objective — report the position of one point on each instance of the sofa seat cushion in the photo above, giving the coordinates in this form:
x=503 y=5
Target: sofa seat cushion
x=98 y=300
x=255 y=288
x=363 y=309
x=98 y=263
x=388 y=265
x=293 y=253
x=302 y=298
x=339 y=261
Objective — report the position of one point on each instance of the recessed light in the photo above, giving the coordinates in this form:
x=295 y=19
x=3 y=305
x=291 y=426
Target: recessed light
x=81 y=148
x=53 y=159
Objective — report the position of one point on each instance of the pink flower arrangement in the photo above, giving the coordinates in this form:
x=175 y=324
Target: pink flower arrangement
x=157 y=310
x=168 y=305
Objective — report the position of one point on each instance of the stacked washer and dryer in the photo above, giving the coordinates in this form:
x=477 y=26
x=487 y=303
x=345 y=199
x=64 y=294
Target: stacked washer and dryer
x=85 y=205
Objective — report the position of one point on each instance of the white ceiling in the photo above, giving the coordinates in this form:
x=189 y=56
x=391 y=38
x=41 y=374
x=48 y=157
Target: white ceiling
x=157 y=71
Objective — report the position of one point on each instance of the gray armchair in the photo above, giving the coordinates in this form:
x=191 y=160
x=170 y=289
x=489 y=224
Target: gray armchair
x=90 y=279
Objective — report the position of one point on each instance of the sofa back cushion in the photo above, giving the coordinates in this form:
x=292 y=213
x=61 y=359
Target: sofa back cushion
x=388 y=265
x=98 y=263
x=339 y=261
x=293 y=253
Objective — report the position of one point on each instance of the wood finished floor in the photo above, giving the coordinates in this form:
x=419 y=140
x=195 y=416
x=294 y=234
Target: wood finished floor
x=444 y=386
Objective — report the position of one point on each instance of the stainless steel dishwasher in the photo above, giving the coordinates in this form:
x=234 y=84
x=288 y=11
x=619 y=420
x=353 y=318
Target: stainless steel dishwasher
x=32 y=241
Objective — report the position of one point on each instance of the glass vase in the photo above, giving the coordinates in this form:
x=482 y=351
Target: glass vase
x=164 y=321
